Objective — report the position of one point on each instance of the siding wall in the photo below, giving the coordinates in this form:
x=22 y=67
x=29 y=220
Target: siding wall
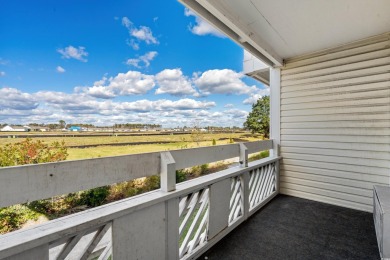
x=335 y=123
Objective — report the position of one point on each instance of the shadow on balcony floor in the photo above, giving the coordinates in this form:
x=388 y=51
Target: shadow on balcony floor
x=294 y=228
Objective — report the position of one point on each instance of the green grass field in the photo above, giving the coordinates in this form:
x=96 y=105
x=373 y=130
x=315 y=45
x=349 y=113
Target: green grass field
x=176 y=142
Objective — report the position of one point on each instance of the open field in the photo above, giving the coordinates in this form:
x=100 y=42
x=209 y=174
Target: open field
x=176 y=141
x=102 y=151
x=90 y=140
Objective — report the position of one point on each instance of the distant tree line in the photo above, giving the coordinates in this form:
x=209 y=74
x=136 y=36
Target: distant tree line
x=137 y=126
x=222 y=128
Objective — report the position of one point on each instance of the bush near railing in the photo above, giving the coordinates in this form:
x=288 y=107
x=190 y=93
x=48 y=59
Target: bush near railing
x=27 y=152
x=261 y=155
x=32 y=152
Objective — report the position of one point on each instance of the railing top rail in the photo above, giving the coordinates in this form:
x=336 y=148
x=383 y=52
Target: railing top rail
x=46 y=180
x=21 y=240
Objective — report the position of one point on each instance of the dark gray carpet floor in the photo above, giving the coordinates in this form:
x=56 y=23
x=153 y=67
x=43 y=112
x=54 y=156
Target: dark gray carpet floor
x=294 y=228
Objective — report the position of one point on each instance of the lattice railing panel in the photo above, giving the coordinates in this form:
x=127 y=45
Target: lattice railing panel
x=262 y=183
x=194 y=216
x=90 y=244
x=236 y=208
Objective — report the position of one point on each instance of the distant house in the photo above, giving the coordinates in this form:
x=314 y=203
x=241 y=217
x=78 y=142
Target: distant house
x=39 y=128
x=74 y=128
x=9 y=128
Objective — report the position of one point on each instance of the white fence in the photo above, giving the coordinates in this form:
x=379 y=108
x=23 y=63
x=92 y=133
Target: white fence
x=179 y=221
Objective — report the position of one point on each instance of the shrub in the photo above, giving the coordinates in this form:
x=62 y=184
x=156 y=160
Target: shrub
x=214 y=142
x=181 y=175
x=199 y=170
x=28 y=152
x=261 y=155
x=134 y=187
x=94 y=197
x=32 y=152
x=151 y=183
x=12 y=218
x=56 y=206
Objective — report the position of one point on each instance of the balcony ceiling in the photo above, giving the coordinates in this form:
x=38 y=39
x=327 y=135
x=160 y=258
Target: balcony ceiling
x=288 y=28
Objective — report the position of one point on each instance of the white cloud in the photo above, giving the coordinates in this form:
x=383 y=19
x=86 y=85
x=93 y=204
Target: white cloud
x=60 y=69
x=237 y=113
x=61 y=98
x=144 y=33
x=71 y=52
x=142 y=61
x=100 y=92
x=132 y=83
x=186 y=103
x=96 y=103
x=126 y=22
x=252 y=99
x=124 y=84
x=232 y=117
x=76 y=104
x=11 y=98
x=134 y=44
x=202 y=27
x=141 y=33
x=172 y=81
x=165 y=105
x=133 y=62
x=223 y=81
x=51 y=106
x=2 y=74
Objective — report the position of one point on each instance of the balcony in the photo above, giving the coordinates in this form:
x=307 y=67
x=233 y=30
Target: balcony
x=330 y=116
x=178 y=221
x=231 y=214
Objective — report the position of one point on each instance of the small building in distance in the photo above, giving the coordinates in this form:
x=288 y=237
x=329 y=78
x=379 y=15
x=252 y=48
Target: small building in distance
x=74 y=128
x=13 y=128
x=39 y=128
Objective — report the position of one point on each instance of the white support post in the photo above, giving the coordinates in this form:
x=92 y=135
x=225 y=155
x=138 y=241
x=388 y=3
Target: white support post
x=168 y=172
x=275 y=110
x=172 y=229
x=243 y=156
x=245 y=179
x=277 y=176
x=219 y=207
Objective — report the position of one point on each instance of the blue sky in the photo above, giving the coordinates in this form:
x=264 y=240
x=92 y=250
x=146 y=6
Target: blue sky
x=106 y=62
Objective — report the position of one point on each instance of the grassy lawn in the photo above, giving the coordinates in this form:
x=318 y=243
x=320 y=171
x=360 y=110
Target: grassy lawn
x=177 y=142
x=91 y=140
x=103 y=151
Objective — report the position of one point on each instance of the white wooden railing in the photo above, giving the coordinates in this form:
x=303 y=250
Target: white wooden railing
x=178 y=221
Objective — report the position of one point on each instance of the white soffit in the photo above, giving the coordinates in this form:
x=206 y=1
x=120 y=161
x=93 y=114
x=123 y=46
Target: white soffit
x=281 y=29
x=255 y=68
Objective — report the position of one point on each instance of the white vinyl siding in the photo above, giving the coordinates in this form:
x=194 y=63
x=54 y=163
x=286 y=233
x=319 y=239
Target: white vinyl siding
x=335 y=123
